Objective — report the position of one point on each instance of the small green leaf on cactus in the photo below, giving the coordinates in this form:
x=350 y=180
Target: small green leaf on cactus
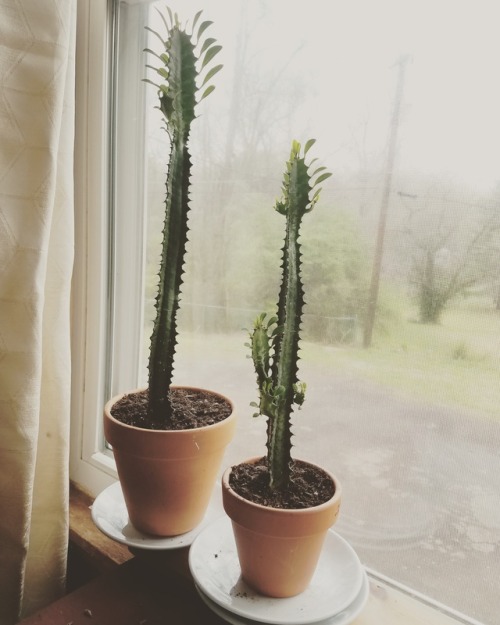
x=317 y=171
x=202 y=29
x=206 y=44
x=211 y=73
x=322 y=178
x=156 y=34
x=151 y=83
x=149 y=51
x=309 y=145
x=164 y=20
x=196 y=18
x=173 y=21
x=207 y=92
x=210 y=55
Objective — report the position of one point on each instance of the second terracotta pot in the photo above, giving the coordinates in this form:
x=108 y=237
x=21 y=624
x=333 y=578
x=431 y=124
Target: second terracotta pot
x=278 y=549
x=167 y=477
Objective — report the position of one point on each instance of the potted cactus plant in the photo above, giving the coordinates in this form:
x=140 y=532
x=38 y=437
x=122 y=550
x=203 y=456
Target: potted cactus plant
x=280 y=507
x=168 y=441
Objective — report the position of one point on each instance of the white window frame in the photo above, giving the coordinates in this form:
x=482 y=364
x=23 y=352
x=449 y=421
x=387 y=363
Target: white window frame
x=90 y=466
x=99 y=373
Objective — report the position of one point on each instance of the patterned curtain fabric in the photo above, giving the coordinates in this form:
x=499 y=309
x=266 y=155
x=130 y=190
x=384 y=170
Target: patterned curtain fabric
x=37 y=42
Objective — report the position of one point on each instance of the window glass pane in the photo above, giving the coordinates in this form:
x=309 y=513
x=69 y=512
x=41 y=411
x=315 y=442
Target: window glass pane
x=403 y=99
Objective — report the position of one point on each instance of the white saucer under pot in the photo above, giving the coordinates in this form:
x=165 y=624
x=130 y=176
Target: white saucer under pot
x=336 y=583
x=109 y=513
x=342 y=618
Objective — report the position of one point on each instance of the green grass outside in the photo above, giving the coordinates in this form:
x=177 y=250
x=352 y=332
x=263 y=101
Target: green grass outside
x=456 y=362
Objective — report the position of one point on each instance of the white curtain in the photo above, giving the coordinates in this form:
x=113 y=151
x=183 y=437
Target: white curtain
x=37 y=41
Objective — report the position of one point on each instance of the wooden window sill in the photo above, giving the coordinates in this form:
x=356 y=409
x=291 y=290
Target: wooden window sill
x=99 y=550
x=149 y=588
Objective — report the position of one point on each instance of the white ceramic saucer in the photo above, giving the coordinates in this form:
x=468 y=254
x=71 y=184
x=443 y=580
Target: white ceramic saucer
x=342 y=618
x=110 y=515
x=214 y=564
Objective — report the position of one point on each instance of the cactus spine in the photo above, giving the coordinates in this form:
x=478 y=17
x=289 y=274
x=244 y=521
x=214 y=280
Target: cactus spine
x=274 y=341
x=178 y=70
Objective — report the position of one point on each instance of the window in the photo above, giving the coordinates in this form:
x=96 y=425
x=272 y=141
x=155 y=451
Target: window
x=403 y=101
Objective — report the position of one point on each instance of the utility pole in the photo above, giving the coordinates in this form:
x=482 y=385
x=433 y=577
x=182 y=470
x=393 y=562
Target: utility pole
x=379 y=248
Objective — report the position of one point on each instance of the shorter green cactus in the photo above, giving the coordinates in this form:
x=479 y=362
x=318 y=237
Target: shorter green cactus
x=274 y=341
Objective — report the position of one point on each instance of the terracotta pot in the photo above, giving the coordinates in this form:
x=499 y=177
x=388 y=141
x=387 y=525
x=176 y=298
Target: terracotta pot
x=167 y=477
x=278 y=549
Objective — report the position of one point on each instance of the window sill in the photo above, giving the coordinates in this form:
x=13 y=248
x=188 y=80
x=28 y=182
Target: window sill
x=154 y=587
x=99 y=551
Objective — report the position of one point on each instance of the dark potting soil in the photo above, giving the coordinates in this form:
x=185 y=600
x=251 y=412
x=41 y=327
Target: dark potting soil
x=309 y=485
x=192 y=408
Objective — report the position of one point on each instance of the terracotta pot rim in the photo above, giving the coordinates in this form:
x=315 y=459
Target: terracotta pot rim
x=284 y=511
x=108 y=405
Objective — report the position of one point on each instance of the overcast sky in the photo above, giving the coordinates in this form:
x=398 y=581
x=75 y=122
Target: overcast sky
x=344 y=53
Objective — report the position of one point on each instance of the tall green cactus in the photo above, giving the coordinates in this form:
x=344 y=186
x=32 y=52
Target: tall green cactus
x=181 y=65
x=275 y=341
